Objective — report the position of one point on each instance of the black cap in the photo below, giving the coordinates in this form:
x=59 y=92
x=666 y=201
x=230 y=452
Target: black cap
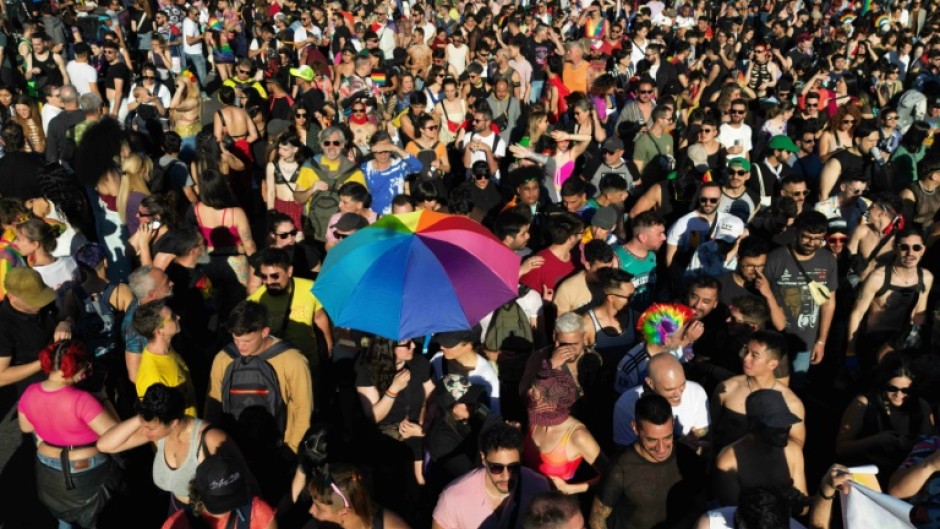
x=768 y=407
x=221 y=482
x=450 y=339
x=350 y=222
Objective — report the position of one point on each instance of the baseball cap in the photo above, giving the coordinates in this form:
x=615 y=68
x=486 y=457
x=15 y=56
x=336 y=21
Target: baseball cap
x=350 y=222
x=605 y=217
x=27 y=285
x=729 y=231
x=699 y=157
x=740 y=162
x=769 y=408
x=837 y=225
x=613 y=144
x=450 y=339
x=304 y=72
x=783 y=142
x=221 y=483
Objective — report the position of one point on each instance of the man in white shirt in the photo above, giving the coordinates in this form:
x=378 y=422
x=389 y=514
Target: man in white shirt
x=192 y=45
x=385 y=33
x=483 y=144
x=53 y=106
x=459 y=347
x=688 y=400
x=699 y=226
x=83 y=75
x=735 y=135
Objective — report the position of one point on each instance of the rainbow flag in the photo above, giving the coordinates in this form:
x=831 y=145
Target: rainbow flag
x=215 y=24
x=379 y=78
x=846 y=19
x=866 y=7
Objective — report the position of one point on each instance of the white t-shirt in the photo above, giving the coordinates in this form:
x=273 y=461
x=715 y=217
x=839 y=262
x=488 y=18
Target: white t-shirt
x=301 y=34
x=457 y=57
x=684 y=232
x=729 y=134
x=48 y=112
x=723 y=518
x=483 y=375
x=83 y=75
x=55 y=274
x=191 y=29
x=494 y=142
x=692 y=412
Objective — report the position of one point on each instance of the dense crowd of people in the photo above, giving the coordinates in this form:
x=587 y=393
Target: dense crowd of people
x=725 y=215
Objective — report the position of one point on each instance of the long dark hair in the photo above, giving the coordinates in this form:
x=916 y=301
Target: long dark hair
x=61 y=188
x=214 y=190
x=380 y=360
x=913 y=139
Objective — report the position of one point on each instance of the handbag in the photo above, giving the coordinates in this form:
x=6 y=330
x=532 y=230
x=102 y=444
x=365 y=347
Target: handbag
x=817 y=290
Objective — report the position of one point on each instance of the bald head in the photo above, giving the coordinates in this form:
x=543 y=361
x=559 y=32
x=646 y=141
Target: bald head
x=666 y=378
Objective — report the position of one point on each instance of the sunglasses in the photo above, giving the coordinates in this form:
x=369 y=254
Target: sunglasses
x=621 y=296
x=706 y=131
x=891 y=118
x=848 y=121
x=812 y=105
x=480 y=176
x=836 y=240
x=645 y=92
x=737 y=112
x=499 y=468
x=911 y=247
x=432 y=128
x=738 y=173
x=811 y=140
x=332 y=143
x=273 y=277
x=803 y=193
x=707 y=200
x=895 y=389
x=301 y=115
x=286 y=234
x=608 y=153
x=358 y=111
x=144 y=215
x=244 y=72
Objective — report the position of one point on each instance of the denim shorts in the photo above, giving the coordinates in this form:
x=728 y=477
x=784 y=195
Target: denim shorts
x=75 y=467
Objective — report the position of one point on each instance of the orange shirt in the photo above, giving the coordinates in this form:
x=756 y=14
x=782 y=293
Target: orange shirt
x=576 y=79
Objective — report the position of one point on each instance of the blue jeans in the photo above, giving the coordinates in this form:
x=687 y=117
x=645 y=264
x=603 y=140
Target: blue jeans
x=56 y=464
x=801 y=361
x=536 y=91
x=198 y=63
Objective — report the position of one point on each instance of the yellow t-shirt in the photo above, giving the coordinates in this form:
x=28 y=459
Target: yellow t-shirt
x=169 y=369
x=303 y=307
x=308 y=176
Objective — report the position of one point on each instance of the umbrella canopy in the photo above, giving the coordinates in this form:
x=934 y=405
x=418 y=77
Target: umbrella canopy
x=414 y=274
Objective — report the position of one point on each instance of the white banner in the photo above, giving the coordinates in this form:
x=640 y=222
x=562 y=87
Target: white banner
x=863 y=508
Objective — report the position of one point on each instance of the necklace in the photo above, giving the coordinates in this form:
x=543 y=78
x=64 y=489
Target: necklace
x=751 y=390
x=922 y=188
x=498 y=496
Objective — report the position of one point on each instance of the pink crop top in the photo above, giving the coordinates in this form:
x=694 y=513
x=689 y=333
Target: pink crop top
x=554 y=463
x=220 y=236
x=61 y=417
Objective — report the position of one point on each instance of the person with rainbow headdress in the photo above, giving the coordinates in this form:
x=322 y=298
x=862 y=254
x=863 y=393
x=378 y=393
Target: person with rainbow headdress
x=665 y=328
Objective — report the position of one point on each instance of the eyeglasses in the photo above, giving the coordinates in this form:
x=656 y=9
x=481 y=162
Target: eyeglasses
x=340 y=236
x=621 y=296
x=301 y=115
x=907 y=248
x=895 y=389
x=836 y=240
x=499 y=468
x=273 y=277
x=332 y=143
x=284 y=235
x=708 y=200
x=738 y=173
x=891 y=118
x=810 y=239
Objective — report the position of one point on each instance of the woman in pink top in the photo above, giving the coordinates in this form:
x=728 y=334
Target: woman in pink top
x=67 y=423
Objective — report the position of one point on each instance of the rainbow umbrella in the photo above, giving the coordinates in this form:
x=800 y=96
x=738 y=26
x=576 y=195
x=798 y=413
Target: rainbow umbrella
x=414 y=274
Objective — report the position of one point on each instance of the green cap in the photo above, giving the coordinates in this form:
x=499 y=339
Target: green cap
x=740 y=162
x=783 y=142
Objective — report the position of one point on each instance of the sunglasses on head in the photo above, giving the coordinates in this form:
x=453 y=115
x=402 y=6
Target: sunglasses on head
x=911 y=247
x=499 y=468
x=286 y=234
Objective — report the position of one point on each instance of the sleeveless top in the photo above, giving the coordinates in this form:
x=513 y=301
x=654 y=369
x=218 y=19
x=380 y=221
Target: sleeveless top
x=927 y=205
x=210 y=233
x=280 y=178
x=612 y=348
x=759 y=74
x=554 y=463
x=176 y=480
x=50 y=73
x=898 y=306
x=563 y=92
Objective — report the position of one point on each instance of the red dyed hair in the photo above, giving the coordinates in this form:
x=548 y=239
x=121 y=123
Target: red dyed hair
x=68 y=356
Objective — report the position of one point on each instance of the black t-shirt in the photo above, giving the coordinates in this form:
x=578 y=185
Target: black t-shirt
x=19 y=170
x=192 y=301
x=118 y=71
x=645 y=495
x=23 y=335
x=409 y=401
x=537 y=53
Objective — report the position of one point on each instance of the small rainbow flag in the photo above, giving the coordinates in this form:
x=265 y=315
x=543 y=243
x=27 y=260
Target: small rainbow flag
x=707 y=177
x=847 y=19
x=866 y=7
x=379 y=77
x=216 y=24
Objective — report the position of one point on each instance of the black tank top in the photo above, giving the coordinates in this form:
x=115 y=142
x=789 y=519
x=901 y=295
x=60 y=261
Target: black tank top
x=49 y=72
x=899 y=304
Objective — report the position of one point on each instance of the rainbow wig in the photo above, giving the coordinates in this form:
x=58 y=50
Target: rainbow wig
x=659 y=321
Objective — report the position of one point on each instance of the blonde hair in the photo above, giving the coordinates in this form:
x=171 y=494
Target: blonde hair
x=136 y=175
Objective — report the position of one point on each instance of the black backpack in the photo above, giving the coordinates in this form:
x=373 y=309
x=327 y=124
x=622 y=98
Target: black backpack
x=98 y=325
x=250 y=381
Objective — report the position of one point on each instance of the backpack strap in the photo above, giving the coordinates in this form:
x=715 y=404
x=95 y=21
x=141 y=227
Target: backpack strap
x=887 y=283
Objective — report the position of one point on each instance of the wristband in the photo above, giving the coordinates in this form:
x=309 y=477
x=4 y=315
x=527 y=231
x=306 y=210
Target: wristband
x=390 y=394
x=827 y=498
x=820 y=342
